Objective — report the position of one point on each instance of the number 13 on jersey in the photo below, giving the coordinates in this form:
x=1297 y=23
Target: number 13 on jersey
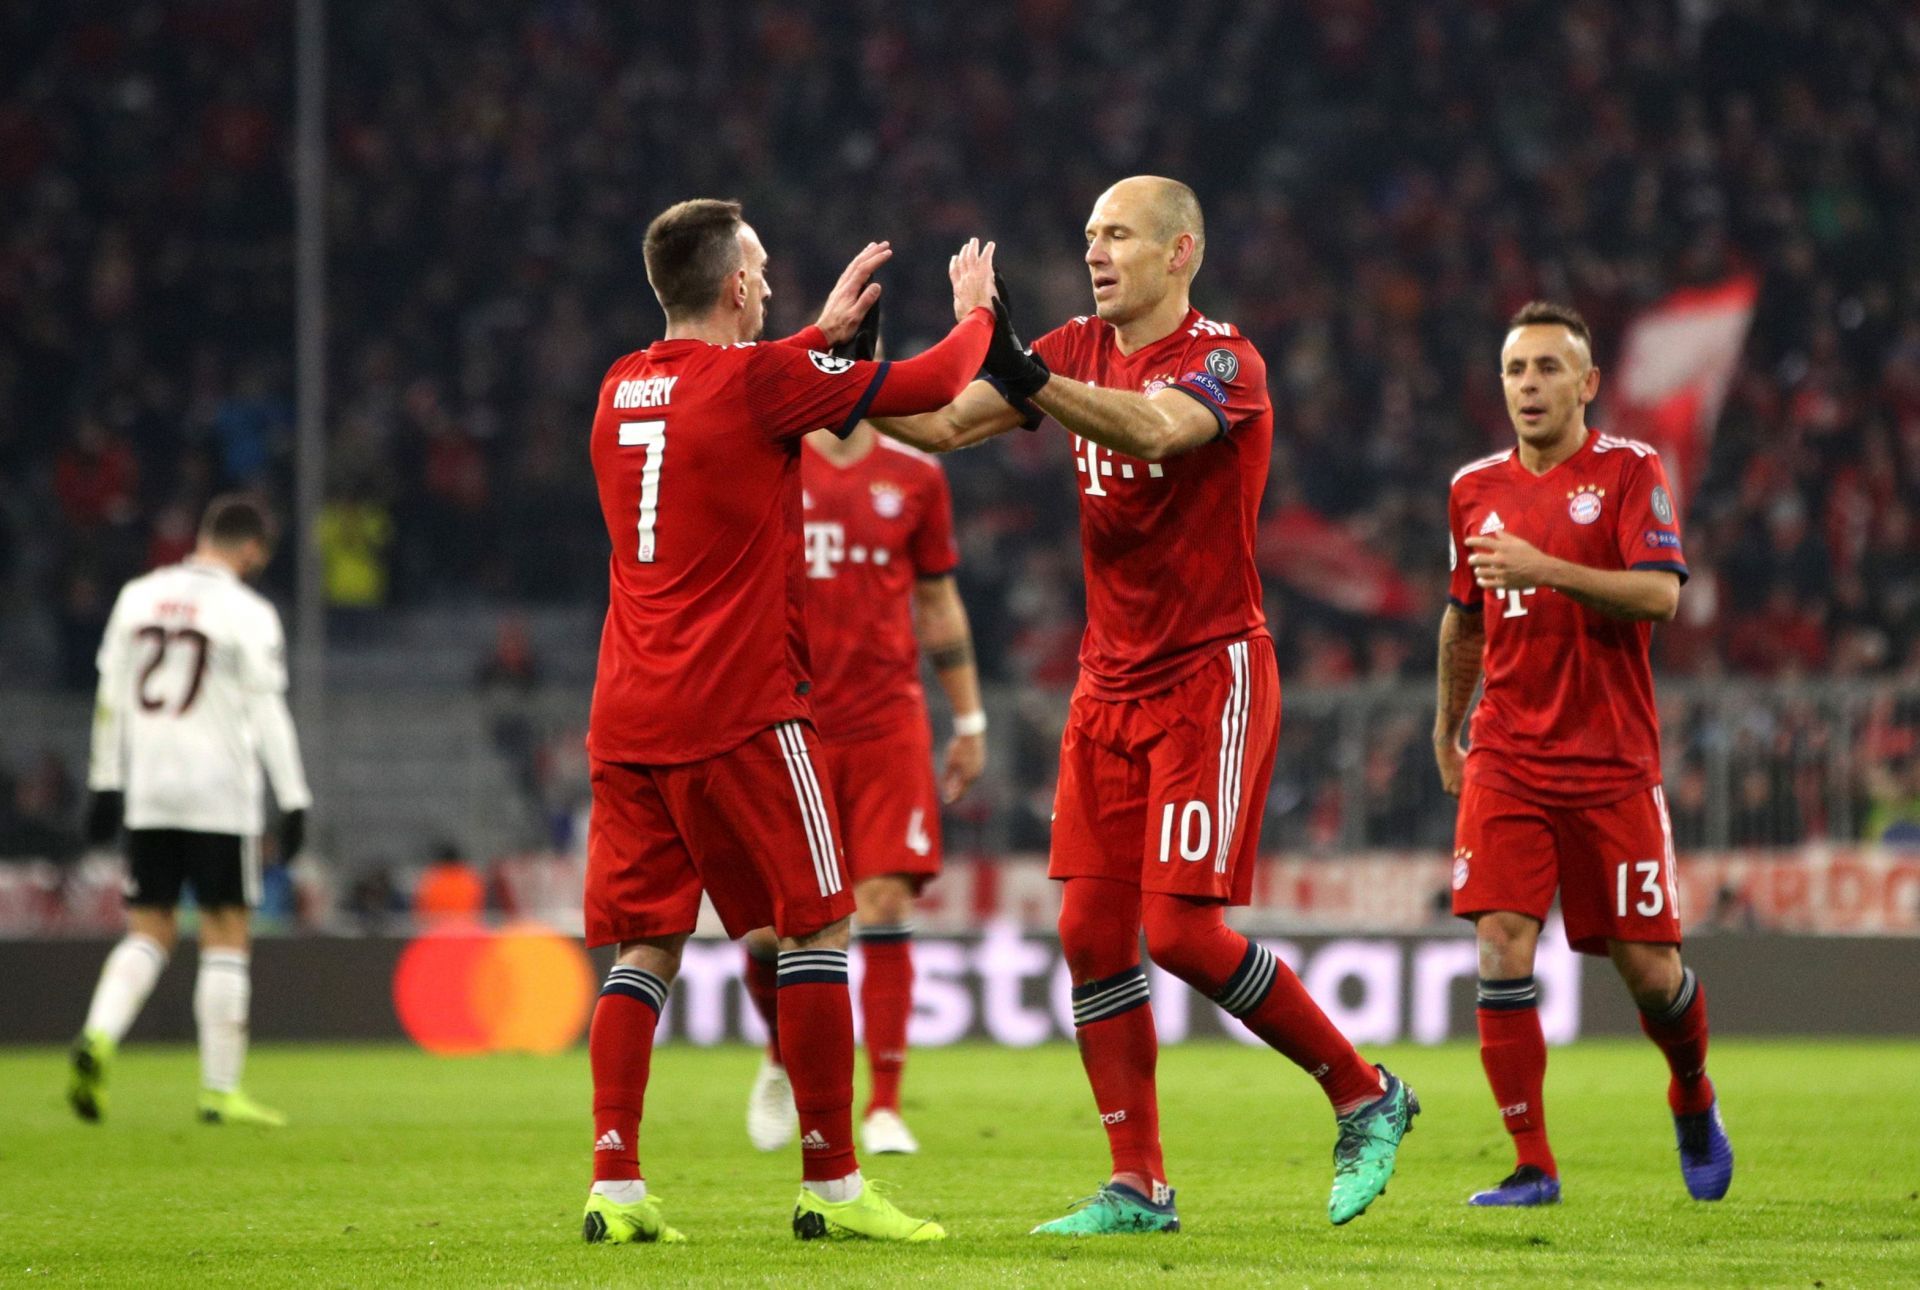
x=651 y=438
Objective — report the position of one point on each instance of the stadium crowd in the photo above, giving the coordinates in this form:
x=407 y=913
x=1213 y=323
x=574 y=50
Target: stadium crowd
x=1385 y=181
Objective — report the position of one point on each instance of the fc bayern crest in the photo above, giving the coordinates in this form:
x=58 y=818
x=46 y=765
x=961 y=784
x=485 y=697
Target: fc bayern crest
x=1223 y=364
x=1460 y=870
x=888 y=501
x=1584 y=508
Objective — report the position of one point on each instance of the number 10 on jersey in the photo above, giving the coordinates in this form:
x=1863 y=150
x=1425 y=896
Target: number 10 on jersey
x=651 y=438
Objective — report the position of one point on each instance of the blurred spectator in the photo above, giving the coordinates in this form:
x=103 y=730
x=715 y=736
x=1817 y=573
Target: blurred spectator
x=1894 y=816
x=39 y=812
x=449 y=890
x=1384 y=182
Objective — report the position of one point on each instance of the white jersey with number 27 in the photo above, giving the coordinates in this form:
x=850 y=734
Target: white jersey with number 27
x=192 y=702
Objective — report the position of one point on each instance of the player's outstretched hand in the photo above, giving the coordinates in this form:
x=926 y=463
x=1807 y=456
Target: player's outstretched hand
x=103 y=817
x=854 y=294
x=1020 y=371
x=971 y=272
x=966 y=758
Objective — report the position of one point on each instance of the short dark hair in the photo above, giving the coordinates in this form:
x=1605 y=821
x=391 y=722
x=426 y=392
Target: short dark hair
x=234 y=518
x=691 y=247
x=1537 y=313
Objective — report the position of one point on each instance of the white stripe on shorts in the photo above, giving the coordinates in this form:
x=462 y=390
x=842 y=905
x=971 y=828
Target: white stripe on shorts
x=1672 y=862
x=813 y=811
x=250 y=869
x=1233 y=753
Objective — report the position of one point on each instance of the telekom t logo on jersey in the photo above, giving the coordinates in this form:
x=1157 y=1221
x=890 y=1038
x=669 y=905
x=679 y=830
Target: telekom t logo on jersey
x=1097 y=464
x=826 y=548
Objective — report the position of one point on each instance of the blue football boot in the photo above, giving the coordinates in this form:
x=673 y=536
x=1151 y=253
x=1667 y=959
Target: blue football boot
x=1706 y=1157
x=1527 y=1185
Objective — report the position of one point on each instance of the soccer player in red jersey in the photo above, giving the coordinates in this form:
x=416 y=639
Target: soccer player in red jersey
x=1170 y=740
x=703 y=754
x=880 y=593
x=1572 y=552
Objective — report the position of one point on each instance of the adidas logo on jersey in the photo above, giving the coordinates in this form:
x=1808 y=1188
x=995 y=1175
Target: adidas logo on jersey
x=1492 y=524
x=609 y=1141
x=815 y=1141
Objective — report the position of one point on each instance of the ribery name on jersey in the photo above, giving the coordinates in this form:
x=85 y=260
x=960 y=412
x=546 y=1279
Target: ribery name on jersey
x=647 y=392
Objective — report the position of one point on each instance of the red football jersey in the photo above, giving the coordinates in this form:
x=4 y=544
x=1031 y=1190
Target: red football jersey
x=1169 y=545
x=696 y=450
x=1567 y=717
x=872 y=527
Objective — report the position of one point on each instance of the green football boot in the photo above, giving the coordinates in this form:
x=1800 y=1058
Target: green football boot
x=1115 y=1210
x=608 y=1222
x=87 y=1078
x=1364 y=1154
x=236 y=1107
x=870 y=1215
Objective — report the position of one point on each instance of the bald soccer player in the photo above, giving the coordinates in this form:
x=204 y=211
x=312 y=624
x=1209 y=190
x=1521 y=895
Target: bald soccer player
x=1169 y=744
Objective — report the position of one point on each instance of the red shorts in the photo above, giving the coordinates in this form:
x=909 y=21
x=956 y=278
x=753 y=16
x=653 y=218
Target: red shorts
x=1613 y=865
x=754 y=828
x=1168 y=790
x=889 y=808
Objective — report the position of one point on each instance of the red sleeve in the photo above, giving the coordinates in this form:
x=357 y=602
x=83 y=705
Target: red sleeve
x=808 y=337
x=791 y=392
x=1462 y=591
x=1228 y=377
x=931 y=380
x=1649 y=521
x=1057 y=347
x=931 y=547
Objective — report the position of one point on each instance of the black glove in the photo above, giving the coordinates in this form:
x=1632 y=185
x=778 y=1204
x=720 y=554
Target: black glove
x=1017 y=370
x=865 y=341
x=103 y=816
x=293 y=834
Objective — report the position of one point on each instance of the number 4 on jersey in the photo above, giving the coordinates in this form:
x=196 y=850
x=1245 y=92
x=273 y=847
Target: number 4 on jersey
x=650 y=437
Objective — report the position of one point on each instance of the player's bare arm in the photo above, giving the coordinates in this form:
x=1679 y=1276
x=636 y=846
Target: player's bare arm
x=946 y=641
x=1506 y=562
x=1151 y=427
x=979 y=414
x=1462 y=642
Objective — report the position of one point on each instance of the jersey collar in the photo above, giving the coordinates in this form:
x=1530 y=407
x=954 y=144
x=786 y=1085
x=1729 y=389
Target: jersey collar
x=218 y=570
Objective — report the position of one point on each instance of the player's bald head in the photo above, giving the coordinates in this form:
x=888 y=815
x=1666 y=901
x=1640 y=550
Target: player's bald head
x=1164 y=208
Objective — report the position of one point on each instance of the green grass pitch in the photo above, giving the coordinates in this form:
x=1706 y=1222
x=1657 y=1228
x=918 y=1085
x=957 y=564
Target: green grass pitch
x=401 y=1169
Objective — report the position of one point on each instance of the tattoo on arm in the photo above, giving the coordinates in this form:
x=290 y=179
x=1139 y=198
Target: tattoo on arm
x=1462 y=639
x=947 y=657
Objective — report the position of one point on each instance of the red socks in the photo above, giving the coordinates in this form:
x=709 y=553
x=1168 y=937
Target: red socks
x=886 y=1004
x=762 y=980
x=1514 y=1053
x=1190 y=939
x=620 y=1049
x=1113 y=1020
x=816 y=1037
x=1681 y=1033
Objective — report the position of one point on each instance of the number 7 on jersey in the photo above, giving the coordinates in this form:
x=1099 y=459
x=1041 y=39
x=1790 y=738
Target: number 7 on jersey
x=651 y=437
